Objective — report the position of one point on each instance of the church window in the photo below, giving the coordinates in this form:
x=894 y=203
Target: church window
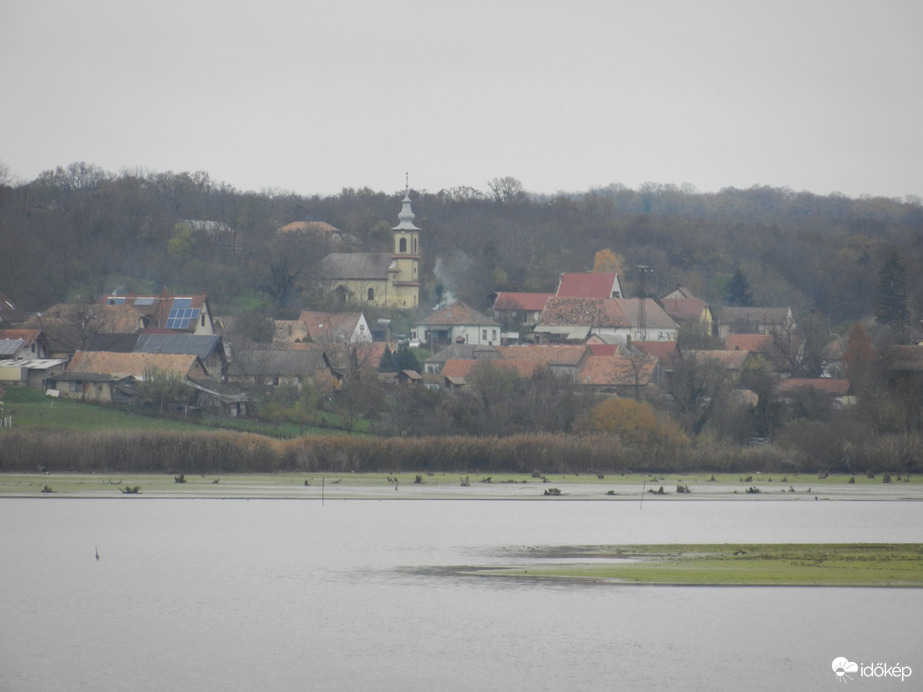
x=371 y=294
x=403 y=245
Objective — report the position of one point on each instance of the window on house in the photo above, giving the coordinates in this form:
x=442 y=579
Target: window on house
x=484 y=334
x=371 y=294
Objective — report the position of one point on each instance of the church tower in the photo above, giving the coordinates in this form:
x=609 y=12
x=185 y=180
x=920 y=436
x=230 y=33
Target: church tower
x=405 y=265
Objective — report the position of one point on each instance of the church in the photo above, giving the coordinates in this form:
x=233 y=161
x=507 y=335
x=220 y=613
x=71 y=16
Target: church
x=382 y=279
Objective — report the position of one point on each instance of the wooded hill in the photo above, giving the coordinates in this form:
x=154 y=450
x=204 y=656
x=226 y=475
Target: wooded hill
x=78 y=232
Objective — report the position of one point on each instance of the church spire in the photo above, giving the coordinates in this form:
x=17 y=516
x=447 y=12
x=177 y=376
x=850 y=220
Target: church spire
x=406 y=216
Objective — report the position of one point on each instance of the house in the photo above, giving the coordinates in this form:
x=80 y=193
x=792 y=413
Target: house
x=678 y=293
x=733 y=361
x=435 y=363
x=620 y=375
x=183 y=313
x=665 y=351
x=736 y=320
x=389 y=279
x=456 y=372
x=71 y=327
x=688 y=311
x=838 y=390
x=329 y=327
x=137 y=364
x=610 y=319
x=457 y=323
x=523 y=309
x=93 y=387
x=562 y=360
x=333 y=236
x=23 y=343
x=208 y=348
x=591 y=285
x=754 y=343
x=31 y=372
x=103 y=377
x=274 y=368
x=289 y=332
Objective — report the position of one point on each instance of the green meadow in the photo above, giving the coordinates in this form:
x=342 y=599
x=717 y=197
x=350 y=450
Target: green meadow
x=790 y=564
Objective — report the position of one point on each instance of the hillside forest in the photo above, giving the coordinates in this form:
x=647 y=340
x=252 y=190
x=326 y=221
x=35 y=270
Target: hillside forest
x=78 y=232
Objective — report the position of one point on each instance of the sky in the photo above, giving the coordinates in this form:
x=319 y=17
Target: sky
x=312 y=97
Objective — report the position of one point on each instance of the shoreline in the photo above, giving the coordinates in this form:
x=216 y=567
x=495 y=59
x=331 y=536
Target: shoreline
x=638 y=488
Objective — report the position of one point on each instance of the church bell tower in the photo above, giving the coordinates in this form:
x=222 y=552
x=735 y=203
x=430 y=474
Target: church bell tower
x=405 y=257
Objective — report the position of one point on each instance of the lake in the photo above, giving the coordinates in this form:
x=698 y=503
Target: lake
x=283 y=594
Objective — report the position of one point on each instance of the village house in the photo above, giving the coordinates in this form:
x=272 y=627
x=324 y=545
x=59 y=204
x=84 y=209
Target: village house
x=208 y=348
x=612 y=319
x=737 y=320
x=102 y=377
x=23 y=344
x=331 y=235
x=282 y=368
x=562 y=360
x=329 y=327
x=457 y=323
x=626 y=376
x=435 y=363
x=519 y=309
x=70 y=327
x=456 y=372
x=688 y=311
x=837 y=390
x=388 y=279
x=190 y=313
x=589 y=285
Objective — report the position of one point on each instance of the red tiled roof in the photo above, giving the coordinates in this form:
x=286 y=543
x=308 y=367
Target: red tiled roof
x=552 y=354
x=616 y=371
x=457 y=314
x=461 y=368
x=588 y=312
x=593 y=285
x=664 y=350
x=684 y=309
x=104 y=362
x=757 y=343
x=521 y=301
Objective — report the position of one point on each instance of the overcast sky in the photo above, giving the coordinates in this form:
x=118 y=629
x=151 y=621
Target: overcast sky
x=311 y=97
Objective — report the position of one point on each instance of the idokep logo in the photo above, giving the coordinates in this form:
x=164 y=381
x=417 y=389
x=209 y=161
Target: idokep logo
x=842 y=667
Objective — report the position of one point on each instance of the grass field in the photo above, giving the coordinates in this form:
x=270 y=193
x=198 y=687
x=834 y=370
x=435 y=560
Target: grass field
x=30 y=409
x=827 y=564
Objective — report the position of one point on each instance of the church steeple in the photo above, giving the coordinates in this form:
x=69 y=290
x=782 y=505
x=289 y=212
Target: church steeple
x=406 y=255
x=405 y=218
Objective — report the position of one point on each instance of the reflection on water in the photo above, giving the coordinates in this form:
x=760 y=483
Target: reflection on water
x=279 y=594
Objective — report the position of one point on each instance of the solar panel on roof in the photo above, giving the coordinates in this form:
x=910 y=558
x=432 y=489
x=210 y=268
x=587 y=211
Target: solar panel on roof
x=179 y=318
x=182 y=302
x=144 y=301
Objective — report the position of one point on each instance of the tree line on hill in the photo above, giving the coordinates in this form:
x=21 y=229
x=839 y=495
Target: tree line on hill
x=77 y=232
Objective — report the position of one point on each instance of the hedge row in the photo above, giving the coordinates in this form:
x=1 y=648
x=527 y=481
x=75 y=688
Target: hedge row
x=29 y=450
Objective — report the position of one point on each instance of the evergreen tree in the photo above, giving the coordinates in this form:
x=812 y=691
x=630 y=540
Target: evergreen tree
x=738 y=290
x=892 y=305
